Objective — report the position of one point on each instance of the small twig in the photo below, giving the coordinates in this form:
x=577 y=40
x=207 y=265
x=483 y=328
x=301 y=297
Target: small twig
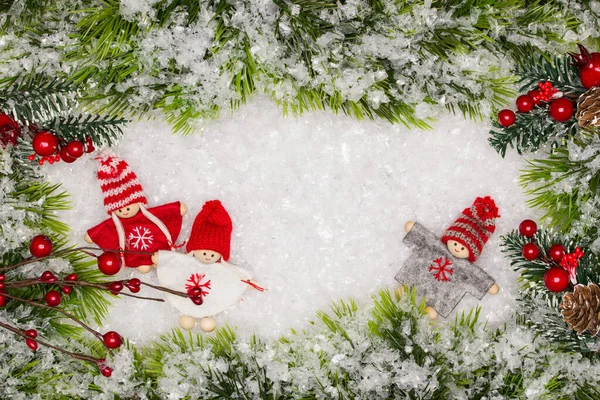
x=22 y=333
x=164 y=289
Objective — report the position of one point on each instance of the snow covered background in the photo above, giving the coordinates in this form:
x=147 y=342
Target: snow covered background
x=318 y=205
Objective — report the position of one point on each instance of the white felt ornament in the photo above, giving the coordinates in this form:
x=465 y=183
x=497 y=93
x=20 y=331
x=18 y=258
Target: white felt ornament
x=220 y=284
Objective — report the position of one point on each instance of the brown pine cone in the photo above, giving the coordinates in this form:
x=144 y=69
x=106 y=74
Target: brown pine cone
x=581 y=309
x=588 y=108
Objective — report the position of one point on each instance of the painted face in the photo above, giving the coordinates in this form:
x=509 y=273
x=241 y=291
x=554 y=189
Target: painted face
x=128 y=211
x=205 y=256
x=457 y=249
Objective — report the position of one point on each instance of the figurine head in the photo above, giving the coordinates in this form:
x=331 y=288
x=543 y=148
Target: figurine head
x=210 y=238
x=466 y=237
x=120 y=187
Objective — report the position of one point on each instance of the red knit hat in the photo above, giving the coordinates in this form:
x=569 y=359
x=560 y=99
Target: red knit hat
x=474 y=227
x=211 y=230
x=119 y=183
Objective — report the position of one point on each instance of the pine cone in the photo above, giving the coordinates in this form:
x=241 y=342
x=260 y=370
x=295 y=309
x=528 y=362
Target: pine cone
x=588 y=108
x=581 y=309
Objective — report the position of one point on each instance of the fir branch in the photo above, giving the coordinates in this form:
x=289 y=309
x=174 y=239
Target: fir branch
x=534 y=68
x=105 y=130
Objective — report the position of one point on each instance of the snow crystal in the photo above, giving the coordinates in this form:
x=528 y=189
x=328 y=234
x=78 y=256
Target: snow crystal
x=318 y=206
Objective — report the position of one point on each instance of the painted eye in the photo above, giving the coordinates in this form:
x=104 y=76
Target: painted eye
x=127 y=208
x=455 y=244
x=204 y=253
x=462 y=248
x=120 y=211
x=212 y=255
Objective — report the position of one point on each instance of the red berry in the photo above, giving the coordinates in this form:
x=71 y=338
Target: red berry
x=52 y=298
x=194 y=292
x=31 y=157
x=3 y=300
x=589 y=67
x=75 y=149
x=556 y=279
x=2 y=277
x=134 y=282
x=506 y=118
x=32 y=344
x=45 y=143
x=66 y=289
x=32 y=333
x=556 y=252
x=115 y=287
x=197 y=300
x=112 y=340
x=531 y=251
x=65 y=156
x=89 y=145
x=47 y=276
x=109 y=263
x=40 y=246
x=528 y=228
x=71 y=277
x=106 y=371
x=561 y=110
x=535 y=96
x=525 y=103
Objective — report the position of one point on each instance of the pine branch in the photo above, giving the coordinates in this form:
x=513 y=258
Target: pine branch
x=105 y=130
x=559 y=70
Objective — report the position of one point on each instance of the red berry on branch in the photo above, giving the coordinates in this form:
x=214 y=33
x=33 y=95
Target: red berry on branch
x=45 y=143
x=2 y=277
x=197 y=300
x=3 y=300
x=525 y=103
x=89 y=145
x=589 y=67
x=106 y=371
x=52 y=298
x=506 y=118
x=66 y=289
x=556 y=252
x=40 y=246
x=194 y=292
x=133 y=285
x=31 y=157
x=112 y=340
x=75 y=149
x=32 y=344
x=115 y=287
x=71 y=277
x=528 y=228
x=556 y=279
x=109 y=263
x=531 y=251
x=47 y=276
x=1 y=287
x=535 y=96
x=65 y=156
x=561 y=110
x=32 y=333
x=10 y=131
x=134 y=282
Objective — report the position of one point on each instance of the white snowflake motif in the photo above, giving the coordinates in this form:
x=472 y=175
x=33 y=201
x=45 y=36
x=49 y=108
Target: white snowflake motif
x=140 y=238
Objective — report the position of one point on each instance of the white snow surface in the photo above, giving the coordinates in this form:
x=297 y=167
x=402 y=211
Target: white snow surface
x=318 y=204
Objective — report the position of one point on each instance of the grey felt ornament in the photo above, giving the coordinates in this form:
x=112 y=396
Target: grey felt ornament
x=439 y=276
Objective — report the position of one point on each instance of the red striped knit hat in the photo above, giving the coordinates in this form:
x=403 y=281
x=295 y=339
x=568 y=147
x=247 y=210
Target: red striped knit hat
x=119 y=183
x=211 y=230
x=474 y=227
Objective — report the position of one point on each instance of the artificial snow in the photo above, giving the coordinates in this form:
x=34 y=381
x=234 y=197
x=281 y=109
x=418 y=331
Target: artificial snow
x=318 y=205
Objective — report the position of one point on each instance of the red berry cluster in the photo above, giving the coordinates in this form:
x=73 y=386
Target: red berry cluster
x=557 y=276
x=560 y=109
x=51 y=149
x=132 y=284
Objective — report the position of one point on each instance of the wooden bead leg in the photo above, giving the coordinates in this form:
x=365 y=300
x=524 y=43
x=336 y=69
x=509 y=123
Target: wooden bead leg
x=187 y=322
x=207 y=324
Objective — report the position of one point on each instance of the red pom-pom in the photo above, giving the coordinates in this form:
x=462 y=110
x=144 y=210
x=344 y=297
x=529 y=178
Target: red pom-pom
x=556 y=279
x=75 y=149
x=486 y=208
x=112 y=340
x=52 y=298
x=45 y=143
x=531 y=251
x=556 y=252
x=109 y=263
x=525 y=103
x=40 y=246
x=561 y=110
x=528 y=228
x=506 y=118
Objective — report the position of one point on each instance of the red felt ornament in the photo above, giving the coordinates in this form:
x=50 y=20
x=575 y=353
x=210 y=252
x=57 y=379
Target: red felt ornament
x=525 y=103
x=561 y=110
x=52 y=298
x=531 y=251
x=589 y=66
x=64 y=154
x=556 y=279
x=556 y=252
x=106 y=371
x=10 y=131
x=75 y=149
x=528 y=228
x=112 y=340
x=109 y=263
x=40 y=246
x=506 y=118
x=45 y=143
